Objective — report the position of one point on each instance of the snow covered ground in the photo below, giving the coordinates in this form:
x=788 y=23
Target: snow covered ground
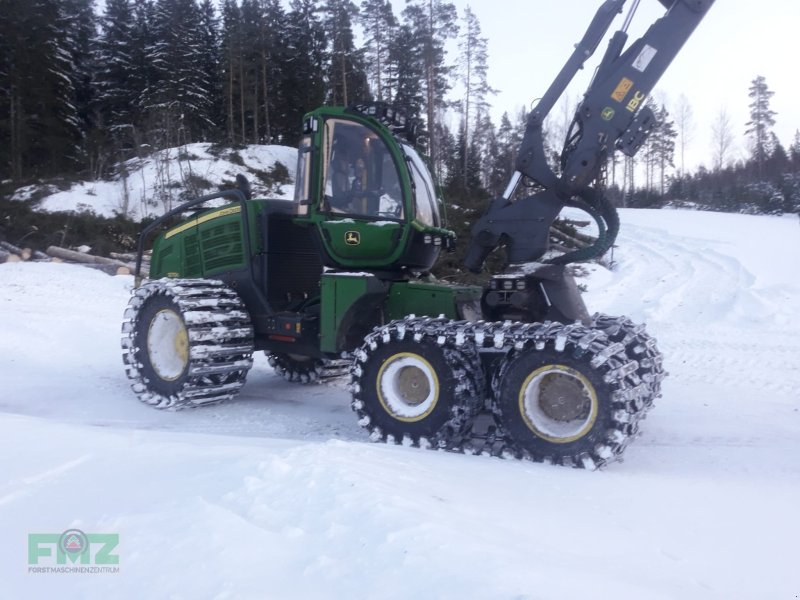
x=153 y=185
x=279 y=494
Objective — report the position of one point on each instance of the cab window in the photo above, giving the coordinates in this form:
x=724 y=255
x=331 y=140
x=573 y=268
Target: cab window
x=360 y=175
x=303 y=175
x=425 y=201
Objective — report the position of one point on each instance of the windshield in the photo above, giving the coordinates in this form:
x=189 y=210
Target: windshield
x=426 y=205
x=360 y=175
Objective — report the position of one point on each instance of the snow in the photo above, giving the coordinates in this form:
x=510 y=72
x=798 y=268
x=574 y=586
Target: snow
x=166 y=172
x=279 y=494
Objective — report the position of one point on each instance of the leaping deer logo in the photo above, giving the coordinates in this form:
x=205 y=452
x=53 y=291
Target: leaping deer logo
x=352 y=238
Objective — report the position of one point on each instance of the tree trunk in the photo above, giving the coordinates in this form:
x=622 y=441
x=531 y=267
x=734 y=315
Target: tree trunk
x=265 y=86
x=241 y=100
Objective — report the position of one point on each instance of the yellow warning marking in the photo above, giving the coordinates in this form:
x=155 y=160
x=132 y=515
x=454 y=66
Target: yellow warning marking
x=623 y=87
x=231 y=210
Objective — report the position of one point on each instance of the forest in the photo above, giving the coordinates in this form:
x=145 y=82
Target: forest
x=82 y=91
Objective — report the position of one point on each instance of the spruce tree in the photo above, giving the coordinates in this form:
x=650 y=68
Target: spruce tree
x=208 y=36
x=179 y=100
x=304 y=82
x=116 y=88
x=231 y=50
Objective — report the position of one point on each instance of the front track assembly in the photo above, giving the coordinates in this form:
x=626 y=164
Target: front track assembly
x=572 y=395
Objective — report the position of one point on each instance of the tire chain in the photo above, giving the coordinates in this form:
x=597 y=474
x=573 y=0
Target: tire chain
x=472 y=337
x=640 y=346
x=316 y=370
x=220 y=341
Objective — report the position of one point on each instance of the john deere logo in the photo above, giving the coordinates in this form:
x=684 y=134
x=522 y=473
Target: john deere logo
x=607 y=114
x=352 y=238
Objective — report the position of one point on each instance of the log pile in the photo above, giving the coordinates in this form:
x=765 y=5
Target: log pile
x=117 y=264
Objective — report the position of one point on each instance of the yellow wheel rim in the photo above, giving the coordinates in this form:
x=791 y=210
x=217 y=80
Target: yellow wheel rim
x=408 y=387
x=168 y=344
x=558 y=403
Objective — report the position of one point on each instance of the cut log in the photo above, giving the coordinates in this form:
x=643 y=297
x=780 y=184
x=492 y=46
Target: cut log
x=26 y=254
x=78 y=257
x=11 y=248
x=125 y=256
x=8 y=257
x=41 y=256
x=108 y=269
x=563 y=237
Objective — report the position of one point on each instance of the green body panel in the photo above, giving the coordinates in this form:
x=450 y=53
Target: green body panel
x=209 y=243
x=344 y=297
x=429 y=299
x=363 y=243
x=353 y=300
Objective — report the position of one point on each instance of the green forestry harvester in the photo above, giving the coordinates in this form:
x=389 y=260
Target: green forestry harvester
x=339 y=278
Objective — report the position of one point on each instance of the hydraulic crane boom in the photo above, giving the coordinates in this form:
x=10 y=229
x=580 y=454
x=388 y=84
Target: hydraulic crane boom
x=610 y=117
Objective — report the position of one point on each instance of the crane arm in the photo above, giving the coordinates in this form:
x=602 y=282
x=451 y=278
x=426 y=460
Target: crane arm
x=611 y=116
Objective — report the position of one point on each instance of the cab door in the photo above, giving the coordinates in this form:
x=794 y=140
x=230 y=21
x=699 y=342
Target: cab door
x=363 y=204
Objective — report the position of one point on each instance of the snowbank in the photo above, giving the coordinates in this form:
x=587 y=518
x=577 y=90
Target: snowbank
x=155 y=184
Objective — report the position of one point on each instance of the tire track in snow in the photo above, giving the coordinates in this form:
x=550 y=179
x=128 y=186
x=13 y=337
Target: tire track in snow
x=712 y=321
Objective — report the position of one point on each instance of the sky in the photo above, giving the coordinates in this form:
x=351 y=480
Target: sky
x=529 y=41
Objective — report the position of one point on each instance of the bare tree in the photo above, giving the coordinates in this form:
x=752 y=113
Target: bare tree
x=684 y=121
x=721 y=138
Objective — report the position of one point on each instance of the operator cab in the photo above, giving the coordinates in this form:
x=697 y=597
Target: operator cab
x=370 y=195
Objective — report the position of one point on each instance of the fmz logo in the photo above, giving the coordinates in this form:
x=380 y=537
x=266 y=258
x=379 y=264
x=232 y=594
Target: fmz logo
x=75 y=545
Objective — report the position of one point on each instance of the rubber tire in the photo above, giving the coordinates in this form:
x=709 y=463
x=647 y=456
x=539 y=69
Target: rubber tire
x=451 y=396
x=510 y=379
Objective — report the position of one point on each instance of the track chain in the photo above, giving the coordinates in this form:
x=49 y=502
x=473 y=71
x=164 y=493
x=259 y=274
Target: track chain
x=638 y=382
x=220 y=342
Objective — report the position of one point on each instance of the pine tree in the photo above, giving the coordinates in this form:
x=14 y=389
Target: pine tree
x=665 y=145
x=684 y=121
x=474 y=74
x=435 y=22
x=762 y=119
x=404 y=75
x=380 y=28
x=347 y=80
x=272 y=60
